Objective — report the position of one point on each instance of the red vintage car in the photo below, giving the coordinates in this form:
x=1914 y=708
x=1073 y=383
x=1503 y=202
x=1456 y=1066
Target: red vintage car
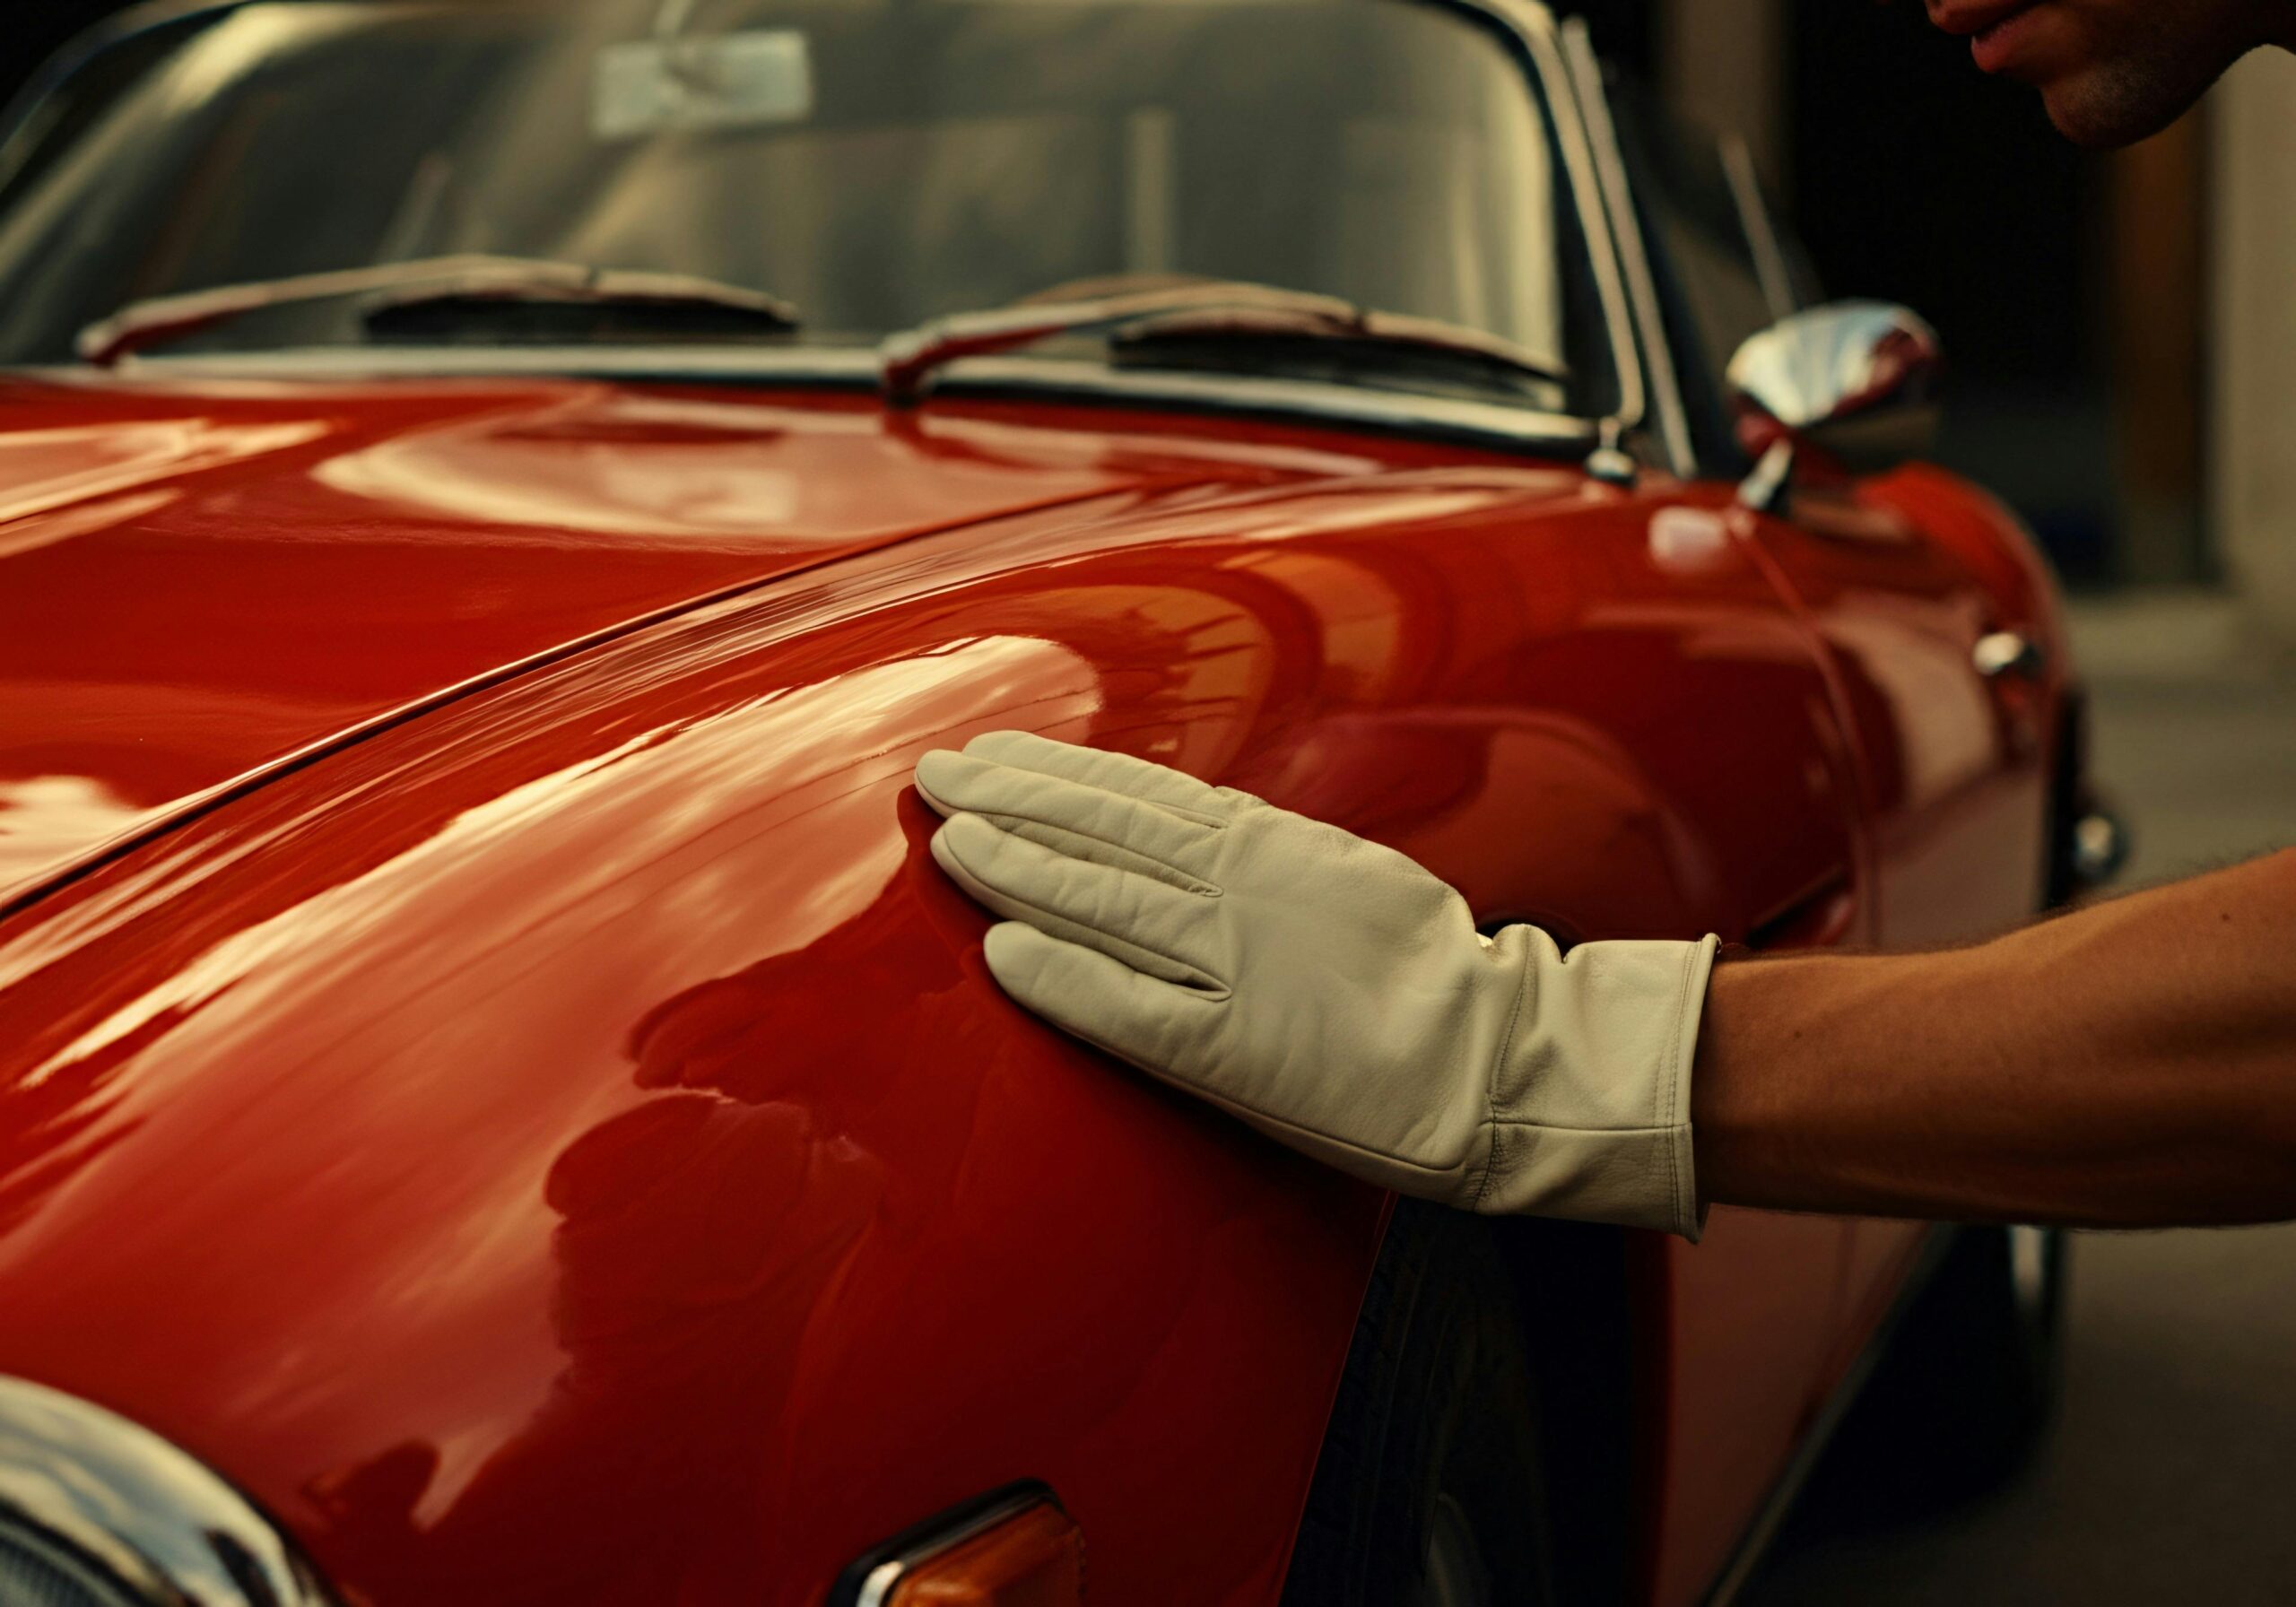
x=497 y=1105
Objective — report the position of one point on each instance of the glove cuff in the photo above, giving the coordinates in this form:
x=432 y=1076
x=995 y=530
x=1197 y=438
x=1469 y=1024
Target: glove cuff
x=1591 y=1096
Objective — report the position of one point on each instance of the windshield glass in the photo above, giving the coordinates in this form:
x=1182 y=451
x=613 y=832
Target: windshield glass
x=875 y=164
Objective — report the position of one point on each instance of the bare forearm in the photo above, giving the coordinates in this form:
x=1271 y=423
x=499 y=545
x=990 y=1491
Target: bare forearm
x=2130 y=1064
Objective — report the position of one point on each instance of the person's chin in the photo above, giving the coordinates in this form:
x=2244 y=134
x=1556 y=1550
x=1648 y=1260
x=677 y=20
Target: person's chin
x=2109 y=76
x=2105 y=105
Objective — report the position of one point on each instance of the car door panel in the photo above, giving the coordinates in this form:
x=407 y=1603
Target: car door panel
x=1667 y=762
x=1953 y=783
x=1898 y=580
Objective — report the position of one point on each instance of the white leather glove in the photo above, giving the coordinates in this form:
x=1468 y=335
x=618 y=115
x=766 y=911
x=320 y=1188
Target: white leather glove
x=1326 y=990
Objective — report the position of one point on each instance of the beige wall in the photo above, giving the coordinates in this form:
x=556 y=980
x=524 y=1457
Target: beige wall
x=2253 y=471
x=2156 y=339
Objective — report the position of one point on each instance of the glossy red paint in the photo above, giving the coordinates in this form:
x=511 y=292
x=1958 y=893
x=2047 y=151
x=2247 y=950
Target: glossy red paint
x=1899 y=577
x=563 y=1146
x=278 y=565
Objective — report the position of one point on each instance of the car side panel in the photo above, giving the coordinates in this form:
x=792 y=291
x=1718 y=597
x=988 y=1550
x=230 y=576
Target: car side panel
x=1901 y=576
x=1655 y=755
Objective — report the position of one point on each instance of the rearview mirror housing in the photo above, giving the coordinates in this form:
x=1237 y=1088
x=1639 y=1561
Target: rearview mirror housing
x=1853 y=382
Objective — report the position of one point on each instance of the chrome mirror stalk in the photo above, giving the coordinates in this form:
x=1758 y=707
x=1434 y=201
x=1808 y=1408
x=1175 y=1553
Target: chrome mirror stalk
x=1770 y=487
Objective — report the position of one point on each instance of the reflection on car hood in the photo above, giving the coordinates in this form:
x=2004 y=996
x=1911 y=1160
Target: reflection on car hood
x=200 y=584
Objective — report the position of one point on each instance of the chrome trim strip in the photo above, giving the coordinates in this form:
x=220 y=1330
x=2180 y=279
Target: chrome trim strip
x=158 y=1521
x=1534 y=27
x=1618 y=195
x=1770 y=1517
x=817 y=365
x=1317 y=402
x=1306 y=399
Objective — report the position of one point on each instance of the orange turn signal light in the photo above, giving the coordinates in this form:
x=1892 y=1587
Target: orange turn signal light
x=1013 y=1547
x=1033 y=1559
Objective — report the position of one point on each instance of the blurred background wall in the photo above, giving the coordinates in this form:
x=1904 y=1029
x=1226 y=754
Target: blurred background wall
x=2252 y=401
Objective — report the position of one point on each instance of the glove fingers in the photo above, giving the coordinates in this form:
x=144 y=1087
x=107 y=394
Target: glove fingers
x=1149 y=924
x=1111 y=772
x=1141 y=832
x=1088 y=994
x=1076 y=846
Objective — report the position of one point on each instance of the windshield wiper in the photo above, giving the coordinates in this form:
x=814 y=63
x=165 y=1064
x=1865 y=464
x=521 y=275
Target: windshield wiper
x=1205 y=312
x=433 y=280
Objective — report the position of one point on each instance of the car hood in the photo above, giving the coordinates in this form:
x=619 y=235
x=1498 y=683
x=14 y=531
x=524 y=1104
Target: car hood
x=203 y=584
x=570 y=1136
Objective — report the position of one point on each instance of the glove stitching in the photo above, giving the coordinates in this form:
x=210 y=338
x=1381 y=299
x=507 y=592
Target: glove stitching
x=1178 y=879
x=1003 y=903
x=1208 y=985
x=1588 y=1131
x=1673 y=1084
x=1179 y=811
x=1127 y=783
x=1490 y=1123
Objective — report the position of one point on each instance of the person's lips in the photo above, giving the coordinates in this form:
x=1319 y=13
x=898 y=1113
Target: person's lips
x=1994 y=28
x=1974 y=16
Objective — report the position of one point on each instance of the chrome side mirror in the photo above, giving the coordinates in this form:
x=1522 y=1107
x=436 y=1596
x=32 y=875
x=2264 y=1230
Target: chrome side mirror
x=1852 y=384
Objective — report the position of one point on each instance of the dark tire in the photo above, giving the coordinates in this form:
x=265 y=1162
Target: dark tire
x=1996 y=1352
x=1956 y=1407
x=1428 y=1493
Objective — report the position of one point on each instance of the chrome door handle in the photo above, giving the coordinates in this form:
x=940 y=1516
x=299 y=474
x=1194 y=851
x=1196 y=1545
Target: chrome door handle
x=2000 y=653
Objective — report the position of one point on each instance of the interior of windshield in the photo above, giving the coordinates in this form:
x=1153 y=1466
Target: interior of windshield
x=878 y=166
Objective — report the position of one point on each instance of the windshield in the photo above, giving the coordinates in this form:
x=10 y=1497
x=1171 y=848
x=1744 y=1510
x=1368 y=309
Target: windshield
x=876 y=165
